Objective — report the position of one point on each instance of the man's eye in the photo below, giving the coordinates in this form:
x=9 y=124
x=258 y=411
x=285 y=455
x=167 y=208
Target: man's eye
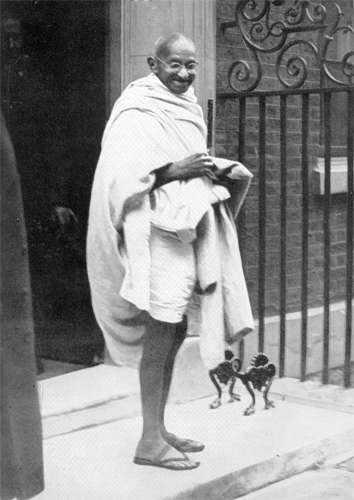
x=175 y=66
x=191 y=66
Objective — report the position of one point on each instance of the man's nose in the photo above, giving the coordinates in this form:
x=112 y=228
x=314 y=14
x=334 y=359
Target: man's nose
x=183 y=73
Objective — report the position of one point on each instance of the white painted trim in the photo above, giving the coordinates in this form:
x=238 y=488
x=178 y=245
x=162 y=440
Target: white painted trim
x=339 y=175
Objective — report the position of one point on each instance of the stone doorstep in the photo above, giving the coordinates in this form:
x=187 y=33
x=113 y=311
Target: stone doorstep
x=91 y=397
x=242 y=454
x=128 y=406
x=103 y=394
x=104 y=385
x=85 y=389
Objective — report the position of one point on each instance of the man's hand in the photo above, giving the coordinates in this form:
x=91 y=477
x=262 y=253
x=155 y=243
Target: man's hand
x=196 y=165
x=63 y=215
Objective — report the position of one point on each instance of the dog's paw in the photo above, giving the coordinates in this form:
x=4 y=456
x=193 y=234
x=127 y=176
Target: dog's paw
x=269 y=405
x=215 y=404
x=234 y=397
x=249 y=411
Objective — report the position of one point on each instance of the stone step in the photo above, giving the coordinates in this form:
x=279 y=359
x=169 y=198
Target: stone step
x=92 y=423
x=242 y=453
x=106 y=393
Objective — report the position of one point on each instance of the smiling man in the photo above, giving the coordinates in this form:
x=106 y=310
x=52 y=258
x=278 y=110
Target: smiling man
x=177 y=68
x=159 y=231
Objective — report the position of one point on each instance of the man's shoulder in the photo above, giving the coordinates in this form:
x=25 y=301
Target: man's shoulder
x=139 y=86
x=137 y=96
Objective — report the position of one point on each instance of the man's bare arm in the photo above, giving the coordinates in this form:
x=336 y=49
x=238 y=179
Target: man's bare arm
x=196 y=165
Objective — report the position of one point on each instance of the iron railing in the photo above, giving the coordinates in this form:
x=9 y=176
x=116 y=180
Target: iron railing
x=261 y=36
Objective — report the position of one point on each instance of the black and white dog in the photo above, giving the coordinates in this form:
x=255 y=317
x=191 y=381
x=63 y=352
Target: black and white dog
x=260 y=374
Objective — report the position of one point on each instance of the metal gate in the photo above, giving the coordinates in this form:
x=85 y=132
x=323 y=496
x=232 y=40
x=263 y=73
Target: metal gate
x=305 y=82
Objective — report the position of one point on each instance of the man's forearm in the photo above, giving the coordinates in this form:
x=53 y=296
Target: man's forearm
x=196 y=165
x=164 y=175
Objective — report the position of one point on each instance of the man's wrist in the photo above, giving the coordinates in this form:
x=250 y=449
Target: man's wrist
x=163 y=176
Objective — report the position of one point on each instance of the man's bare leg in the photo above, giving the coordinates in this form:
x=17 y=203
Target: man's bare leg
x=181 y=332
x=157 y=344
x=180 y=443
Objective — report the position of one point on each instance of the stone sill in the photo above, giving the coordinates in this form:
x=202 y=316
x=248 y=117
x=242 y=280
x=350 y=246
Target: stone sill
x=339 y=175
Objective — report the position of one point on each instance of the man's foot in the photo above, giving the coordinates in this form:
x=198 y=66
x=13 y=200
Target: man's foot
x=183 y=445
x=167 y=458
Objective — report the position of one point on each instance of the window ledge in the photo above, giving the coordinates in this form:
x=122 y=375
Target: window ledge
x=339 y=175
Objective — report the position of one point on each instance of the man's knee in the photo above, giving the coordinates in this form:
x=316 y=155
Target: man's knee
x=160 y=333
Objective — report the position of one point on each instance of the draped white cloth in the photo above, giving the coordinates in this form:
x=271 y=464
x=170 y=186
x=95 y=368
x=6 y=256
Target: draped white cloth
x=149 y=128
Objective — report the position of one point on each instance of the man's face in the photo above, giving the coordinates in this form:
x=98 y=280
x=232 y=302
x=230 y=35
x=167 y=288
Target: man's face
x=11 y=40
x=177 y=67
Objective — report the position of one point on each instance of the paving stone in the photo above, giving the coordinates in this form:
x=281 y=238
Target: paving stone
x=241 y=454
x=320 y=484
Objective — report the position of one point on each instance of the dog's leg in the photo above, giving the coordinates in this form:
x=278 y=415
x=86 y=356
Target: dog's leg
x=268 y=403
x=244 y=379
x=271 y=374
x=251 y=408
x=234 y=396
x=215 y=404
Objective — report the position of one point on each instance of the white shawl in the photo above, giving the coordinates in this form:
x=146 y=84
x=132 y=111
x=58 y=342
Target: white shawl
x=150 y=127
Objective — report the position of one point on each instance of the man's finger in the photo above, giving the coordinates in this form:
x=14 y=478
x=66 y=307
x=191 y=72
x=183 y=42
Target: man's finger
x=200 y=155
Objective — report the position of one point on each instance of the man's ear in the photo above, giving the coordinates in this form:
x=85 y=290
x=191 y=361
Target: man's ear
x=152 y=64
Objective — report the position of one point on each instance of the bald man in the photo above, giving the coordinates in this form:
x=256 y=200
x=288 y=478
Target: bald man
x=156 y=214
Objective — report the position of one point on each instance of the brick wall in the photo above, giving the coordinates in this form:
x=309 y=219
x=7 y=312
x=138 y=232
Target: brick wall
x=229 y=48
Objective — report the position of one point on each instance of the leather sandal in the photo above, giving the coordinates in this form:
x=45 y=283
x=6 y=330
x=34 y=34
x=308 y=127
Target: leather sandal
x=184 y=445
x=177 y=464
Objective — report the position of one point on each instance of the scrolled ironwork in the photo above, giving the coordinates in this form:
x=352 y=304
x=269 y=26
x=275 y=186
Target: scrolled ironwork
x=301 y=11
x=295 y=66
x=270 y=26
x=347 y=66
x=295 y=14
x=319 y=13
x=240 y=71
x=251 y=6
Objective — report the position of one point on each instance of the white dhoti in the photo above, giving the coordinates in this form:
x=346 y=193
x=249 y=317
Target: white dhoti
x=172 y=276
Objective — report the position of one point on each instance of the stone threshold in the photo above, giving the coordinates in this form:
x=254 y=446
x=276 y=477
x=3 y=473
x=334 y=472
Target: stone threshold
x=242 y=453
x=102 y=394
